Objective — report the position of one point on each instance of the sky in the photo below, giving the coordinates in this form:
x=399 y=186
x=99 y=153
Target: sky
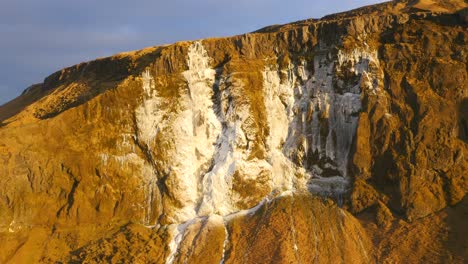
x=39 y=37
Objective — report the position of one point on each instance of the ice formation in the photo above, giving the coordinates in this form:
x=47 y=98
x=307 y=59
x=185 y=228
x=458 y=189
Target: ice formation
x=312 y=119
x=329 y=107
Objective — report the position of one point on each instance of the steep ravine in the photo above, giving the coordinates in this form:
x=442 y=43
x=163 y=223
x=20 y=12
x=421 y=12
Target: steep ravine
x=321 y=141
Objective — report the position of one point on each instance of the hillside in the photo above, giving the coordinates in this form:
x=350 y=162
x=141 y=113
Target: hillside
x=335 y=140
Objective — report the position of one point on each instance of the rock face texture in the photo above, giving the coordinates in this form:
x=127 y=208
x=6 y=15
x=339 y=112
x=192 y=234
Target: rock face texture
x=339 y=140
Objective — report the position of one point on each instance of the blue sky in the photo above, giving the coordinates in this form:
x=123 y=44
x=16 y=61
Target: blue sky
x=39 y=37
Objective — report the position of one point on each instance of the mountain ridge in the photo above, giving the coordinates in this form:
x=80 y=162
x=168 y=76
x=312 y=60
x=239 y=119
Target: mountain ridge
x=393 y=6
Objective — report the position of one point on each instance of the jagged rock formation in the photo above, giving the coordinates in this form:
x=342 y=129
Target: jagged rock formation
x=334 y=140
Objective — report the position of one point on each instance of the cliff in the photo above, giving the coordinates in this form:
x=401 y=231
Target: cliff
x=341 y=139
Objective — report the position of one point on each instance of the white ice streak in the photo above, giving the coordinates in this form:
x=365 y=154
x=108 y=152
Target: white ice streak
x=217 y=183
x=147 y=115
x=321 y=111
x=279 y=100
x=333 y=110
x=225 y=242
x=193 y=129
x=232 y=154
x=195 y=132
x=178 y=232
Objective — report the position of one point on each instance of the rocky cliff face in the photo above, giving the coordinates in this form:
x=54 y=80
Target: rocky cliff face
x=342 y=139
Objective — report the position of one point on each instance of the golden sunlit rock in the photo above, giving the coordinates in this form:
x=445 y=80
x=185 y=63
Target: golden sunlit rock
x=339 y=140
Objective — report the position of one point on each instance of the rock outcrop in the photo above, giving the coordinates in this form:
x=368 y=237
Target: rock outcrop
x=342 y=139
